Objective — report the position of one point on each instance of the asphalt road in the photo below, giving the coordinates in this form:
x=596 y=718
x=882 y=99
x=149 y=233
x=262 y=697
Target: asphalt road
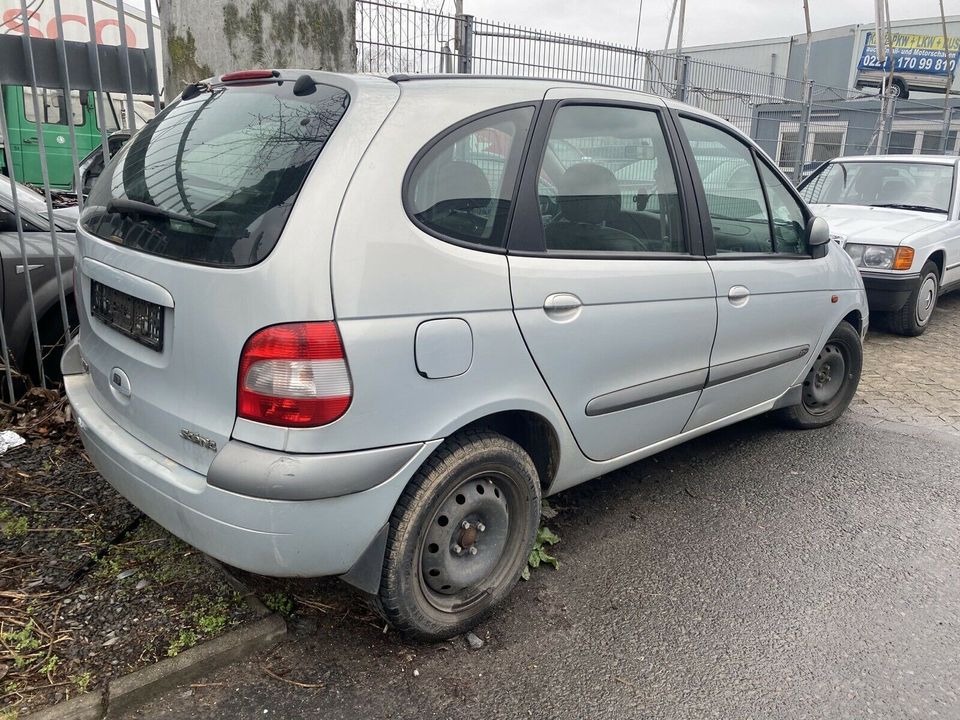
x=754 y=573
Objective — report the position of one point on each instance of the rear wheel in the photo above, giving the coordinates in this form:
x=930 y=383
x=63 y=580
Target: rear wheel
x=831 y=383
x=914 y=317
x=459 y=536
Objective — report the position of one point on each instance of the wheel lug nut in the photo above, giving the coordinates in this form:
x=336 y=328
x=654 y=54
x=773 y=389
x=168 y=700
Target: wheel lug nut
x=473 y=550
x=465 y=525
x=457 y=549
x=481 y=527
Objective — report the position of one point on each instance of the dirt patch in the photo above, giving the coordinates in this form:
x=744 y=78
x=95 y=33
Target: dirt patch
x=89 y=588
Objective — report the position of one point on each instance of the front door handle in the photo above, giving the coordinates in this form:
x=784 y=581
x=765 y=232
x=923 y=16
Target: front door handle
x=562 y=306
x=738 y=295
x=29 y=141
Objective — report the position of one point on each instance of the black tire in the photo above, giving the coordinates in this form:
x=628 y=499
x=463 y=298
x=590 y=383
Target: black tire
x=831 y=383
x=430 y=591
x=900 y=89
x=915 y=315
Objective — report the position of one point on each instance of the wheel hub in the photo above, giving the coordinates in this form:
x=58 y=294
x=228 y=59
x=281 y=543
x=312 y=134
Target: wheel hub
x=466 y=538
x=825 y=378
x=926 y=300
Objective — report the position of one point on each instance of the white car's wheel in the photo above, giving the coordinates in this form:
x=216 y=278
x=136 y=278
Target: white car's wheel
x=914 y=317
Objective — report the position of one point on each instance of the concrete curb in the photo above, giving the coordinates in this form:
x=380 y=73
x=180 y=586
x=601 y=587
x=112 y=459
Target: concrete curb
x=89 y=706
x=137 y=687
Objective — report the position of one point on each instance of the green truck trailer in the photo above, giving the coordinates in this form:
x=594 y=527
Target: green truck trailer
x=23 y=140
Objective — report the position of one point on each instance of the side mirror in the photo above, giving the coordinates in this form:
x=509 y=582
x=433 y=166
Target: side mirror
x=818 y=236
x=85 y=98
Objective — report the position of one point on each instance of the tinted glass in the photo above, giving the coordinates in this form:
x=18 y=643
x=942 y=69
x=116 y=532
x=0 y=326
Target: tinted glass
x=919 y=186
x=789 y=223
x=223 y=170
x=735 y=199
x=607 y=183
x=462 y=187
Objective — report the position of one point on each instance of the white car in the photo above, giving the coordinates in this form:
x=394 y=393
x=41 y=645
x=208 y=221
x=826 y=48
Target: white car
x=897 y=217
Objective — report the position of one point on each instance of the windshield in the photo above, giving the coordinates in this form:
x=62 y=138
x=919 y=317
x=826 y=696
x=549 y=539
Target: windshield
x=917 y=186
x=213 y=178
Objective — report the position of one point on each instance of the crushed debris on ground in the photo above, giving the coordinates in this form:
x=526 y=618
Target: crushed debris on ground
x=89 y=588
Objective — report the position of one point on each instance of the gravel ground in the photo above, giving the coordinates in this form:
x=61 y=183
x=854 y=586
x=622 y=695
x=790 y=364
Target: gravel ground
x=88 y=589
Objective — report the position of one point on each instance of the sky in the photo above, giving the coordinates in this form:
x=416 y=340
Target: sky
x=707 y=21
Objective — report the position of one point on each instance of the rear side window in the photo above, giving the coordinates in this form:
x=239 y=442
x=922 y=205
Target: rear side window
x=462 y=186
x=607 y=184
x=212 y=179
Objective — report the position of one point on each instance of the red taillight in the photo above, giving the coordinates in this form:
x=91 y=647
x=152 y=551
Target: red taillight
x=240 y=75
x=294 y=375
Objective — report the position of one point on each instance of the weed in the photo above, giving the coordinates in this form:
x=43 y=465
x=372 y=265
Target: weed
x=9 y=714
x=24 y=643
x=82 y=681
x=538 y=554
x=210 y=615
x=278 y=602
x=15 y=527
x=50 y=665
x=186 y=639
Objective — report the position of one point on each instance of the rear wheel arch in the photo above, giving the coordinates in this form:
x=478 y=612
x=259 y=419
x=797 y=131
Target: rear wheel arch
x=531 y=431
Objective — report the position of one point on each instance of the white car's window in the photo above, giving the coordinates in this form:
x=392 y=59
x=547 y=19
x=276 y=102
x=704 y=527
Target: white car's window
x=607 y=183
x=906 y=185
x=735 y=198
x=462 y=187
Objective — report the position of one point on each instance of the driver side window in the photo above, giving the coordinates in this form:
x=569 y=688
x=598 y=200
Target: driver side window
x=607 y=183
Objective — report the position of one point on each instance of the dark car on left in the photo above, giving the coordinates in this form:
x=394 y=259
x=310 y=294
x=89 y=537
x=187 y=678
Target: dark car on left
x=41 y=266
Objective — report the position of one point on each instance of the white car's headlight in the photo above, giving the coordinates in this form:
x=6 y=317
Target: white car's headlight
x=880 y=257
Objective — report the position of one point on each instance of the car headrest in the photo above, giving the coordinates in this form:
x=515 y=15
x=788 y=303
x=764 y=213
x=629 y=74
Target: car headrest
x=462 y=185
x=589 y=193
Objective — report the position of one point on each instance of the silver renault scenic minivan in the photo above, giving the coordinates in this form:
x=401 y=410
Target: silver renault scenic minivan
x=359 y=326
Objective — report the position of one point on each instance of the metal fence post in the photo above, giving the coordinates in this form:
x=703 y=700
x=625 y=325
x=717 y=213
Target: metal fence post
x=884 y=139
x=682 y=80
x=947 y=121
x=465 y=43
x=804 y=130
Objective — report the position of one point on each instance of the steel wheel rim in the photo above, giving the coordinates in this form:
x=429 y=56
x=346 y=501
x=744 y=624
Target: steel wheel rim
x=926 y=299
x=823 y=384
x=458 y=562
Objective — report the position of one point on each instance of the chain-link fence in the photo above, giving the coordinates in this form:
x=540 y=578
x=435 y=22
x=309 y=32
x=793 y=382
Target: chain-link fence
x=799 y=124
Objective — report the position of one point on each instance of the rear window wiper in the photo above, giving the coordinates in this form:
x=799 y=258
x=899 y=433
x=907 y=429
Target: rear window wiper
x=906 y=206
x=123 y=206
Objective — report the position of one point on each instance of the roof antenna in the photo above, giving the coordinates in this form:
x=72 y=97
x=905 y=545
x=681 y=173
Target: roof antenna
x=305 y=85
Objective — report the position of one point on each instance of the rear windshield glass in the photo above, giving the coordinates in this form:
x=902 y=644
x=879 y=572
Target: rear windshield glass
x=212 y=179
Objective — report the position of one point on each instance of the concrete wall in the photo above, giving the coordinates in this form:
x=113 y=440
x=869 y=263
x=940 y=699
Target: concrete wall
x=210 y=37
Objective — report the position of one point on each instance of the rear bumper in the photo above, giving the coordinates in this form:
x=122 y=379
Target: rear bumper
x=889 y=293
x=304 y=538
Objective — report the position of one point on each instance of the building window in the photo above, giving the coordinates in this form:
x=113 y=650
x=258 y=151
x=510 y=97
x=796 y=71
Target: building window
x=902 y=142
x=789 y=155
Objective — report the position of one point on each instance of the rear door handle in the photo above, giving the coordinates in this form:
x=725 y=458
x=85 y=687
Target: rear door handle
x=738 y=295
x=29 y=141
x=562 y=306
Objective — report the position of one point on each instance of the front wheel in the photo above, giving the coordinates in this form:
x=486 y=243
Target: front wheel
x=914 y=317
x=831 y=383
x=459 y=536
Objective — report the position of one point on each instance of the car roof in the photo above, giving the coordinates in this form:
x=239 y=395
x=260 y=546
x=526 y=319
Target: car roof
x=914 y=159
